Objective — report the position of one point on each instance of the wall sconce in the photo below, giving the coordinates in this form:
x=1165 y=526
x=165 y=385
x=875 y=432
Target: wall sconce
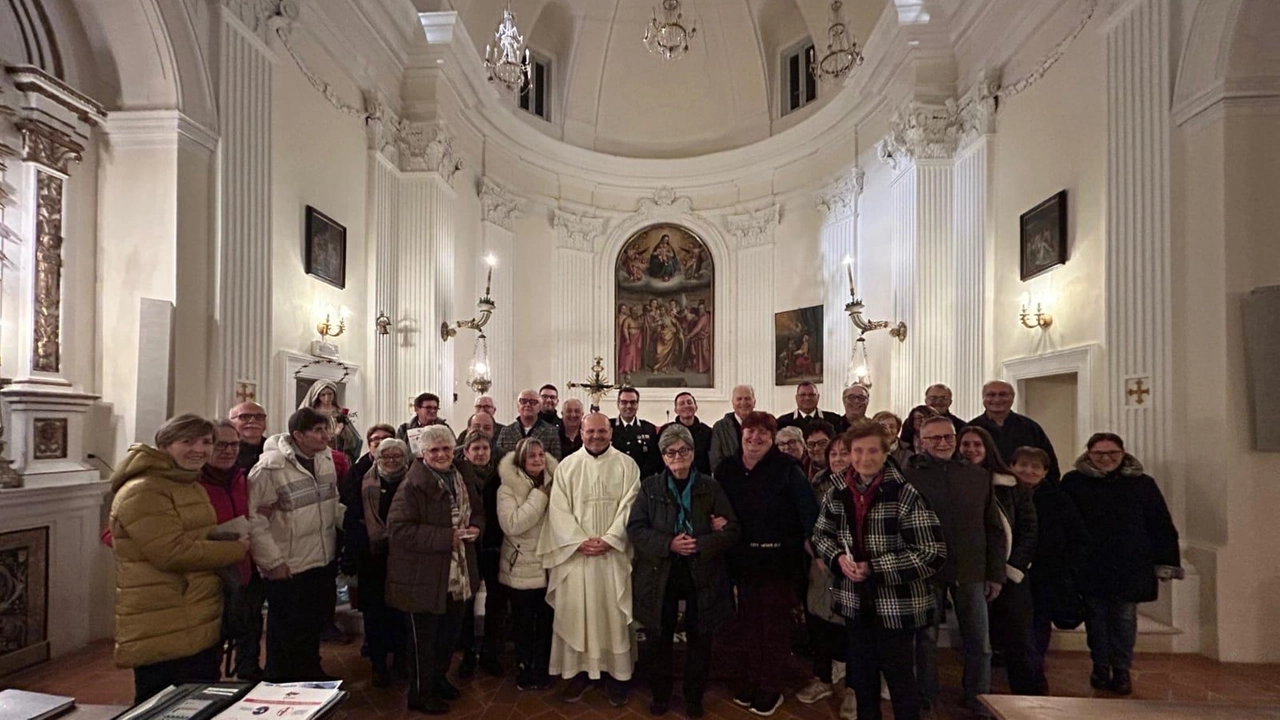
x=854 y=308
x=326 y=329
x=485 y=306
x=383 y=323
x=1033 y=320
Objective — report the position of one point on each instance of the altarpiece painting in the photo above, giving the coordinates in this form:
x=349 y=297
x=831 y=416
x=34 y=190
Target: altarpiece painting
x=664 y=309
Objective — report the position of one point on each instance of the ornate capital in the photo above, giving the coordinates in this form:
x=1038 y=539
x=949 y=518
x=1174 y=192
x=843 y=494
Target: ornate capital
x=920 y=131
x=838 y=200
x=577 y=232
x=976 y=111
x=664 y=201
x=427 y=146
x=48 y=146
x=264 y=17
x=754 y=229
x=499 y=205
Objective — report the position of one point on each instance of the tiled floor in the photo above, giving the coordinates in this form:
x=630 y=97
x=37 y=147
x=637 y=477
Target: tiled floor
x=91 y=677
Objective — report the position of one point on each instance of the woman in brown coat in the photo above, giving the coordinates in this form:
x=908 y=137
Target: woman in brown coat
x=168 y=596
x=432 y=569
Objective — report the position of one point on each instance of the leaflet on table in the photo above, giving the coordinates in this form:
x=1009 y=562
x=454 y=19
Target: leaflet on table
x=296 y=701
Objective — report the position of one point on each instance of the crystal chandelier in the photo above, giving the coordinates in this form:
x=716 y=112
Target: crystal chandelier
x=508 y=62
x=479 y=379
x=669 y=39
x=842 y=50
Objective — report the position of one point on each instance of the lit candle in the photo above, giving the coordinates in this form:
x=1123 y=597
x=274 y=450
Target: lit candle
x=849 y=267
x=488 y=281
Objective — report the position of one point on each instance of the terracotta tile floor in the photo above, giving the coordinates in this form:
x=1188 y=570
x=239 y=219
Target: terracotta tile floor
x=90 y=676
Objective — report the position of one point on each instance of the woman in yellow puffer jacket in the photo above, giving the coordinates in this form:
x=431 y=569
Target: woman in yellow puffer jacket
x=168 y=597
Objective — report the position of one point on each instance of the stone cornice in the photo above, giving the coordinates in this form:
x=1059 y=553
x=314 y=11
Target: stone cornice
x=664 y=202
x=577 y=232
x=930 y=131
x=264 y=18
x=499 y=205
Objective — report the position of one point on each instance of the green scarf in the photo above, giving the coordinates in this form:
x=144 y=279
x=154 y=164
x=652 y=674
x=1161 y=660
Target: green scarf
x=684 y=502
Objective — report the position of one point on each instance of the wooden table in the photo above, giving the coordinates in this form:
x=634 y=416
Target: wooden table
x=1014 y=707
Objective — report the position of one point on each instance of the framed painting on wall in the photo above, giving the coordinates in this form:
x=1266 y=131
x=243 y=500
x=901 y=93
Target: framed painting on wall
x=1043 y=236
x=326 y=248
x=664 y=287
x=798 y=346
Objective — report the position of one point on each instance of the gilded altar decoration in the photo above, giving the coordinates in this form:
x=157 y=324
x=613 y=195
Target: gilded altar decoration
x=48 y=146
x=664 y=309
x=24 y=597
x=50 y=439
x=46 y=356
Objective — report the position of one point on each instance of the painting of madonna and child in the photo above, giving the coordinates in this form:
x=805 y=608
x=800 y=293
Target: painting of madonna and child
x=665 y=300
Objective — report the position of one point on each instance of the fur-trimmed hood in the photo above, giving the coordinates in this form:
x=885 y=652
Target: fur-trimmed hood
x=1129 y=467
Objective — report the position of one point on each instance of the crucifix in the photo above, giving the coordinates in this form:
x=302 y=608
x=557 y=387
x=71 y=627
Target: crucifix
x=246 y=391
x=597 y=385
x=1138 y=392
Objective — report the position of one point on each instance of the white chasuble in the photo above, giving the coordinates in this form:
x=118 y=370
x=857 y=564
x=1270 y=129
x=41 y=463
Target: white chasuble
x=591 y=497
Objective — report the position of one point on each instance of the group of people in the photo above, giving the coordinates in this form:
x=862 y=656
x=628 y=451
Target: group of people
x=581 y=528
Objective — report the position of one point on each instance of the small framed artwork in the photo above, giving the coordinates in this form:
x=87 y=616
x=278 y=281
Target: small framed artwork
x=326 y=250
x=1043 y=235
x=798 y=342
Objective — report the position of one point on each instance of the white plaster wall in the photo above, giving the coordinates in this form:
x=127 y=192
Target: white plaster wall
x=318 y=159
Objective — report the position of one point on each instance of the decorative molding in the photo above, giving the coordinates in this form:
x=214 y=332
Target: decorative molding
x=920 y=131
x=664 y=201
x=264 y=18
x=578 y=232
x=499 y=205
x=1085 y=361
x=428 y=146
x=33 y=80
x=47 y=327
x=158 y=130
x=976 y=111
x=1087 y=11
x=754 y=229
x=49 y=438
x=838 y=200
x=46 y=145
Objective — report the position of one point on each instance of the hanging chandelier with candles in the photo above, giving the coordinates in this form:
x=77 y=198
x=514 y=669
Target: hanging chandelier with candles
x=842 y=54
x=508 y=60
x=669 y=38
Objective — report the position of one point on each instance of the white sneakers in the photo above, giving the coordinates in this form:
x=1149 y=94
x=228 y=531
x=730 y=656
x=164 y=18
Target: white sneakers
x=813 y=692
x=837 y=673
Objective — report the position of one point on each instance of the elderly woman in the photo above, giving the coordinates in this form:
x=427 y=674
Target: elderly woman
x=883 y=544
x=350 y=484
x=523 y=497
x=366 y=553
x=824 y=625
x=680 y=556
x=432 y=527
x=1012 y=610
x=791 y=442
x=892 y=424
x=1132 y=544
x=776 y=510
x=480 y=471
x=168 y=595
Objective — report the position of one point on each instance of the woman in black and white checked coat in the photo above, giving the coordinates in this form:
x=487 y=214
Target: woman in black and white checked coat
x=883 y=543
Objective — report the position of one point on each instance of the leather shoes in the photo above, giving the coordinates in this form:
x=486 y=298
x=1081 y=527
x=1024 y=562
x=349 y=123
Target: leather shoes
x=659 y=707
x=1121 y=683
x=430 y=706
x=445 y=689
x=1100 y=678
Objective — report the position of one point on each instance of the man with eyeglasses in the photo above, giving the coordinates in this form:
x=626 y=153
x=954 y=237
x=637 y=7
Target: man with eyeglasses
x=855 y=399
x=687 y=416
x=426 y=411
x=250 y=421
x=550 y=398
x=1011 y=430
x=938 y=397
x=960 y=494
x=635 y=437
x=807 y=409
x=528 y=424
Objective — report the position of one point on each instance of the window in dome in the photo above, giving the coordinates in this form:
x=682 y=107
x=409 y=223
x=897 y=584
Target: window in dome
x=536 y=98
x=799 y=86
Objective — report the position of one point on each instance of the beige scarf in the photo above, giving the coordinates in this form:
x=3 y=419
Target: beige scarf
x=459 y=578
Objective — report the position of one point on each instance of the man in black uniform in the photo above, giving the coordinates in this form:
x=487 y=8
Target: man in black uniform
x=635 y=437
x=807 y=409
x=687 y=415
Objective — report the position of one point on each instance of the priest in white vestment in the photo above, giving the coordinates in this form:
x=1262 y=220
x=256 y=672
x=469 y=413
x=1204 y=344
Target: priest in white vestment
x=584 y=546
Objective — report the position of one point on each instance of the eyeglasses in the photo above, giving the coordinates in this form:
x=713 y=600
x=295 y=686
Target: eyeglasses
x=1102 y=454
x=788 y=443
x=486 y=407
x=682 y=452
x=219 y=447
x=260 y=417
x=428 y=407
x=939 y=438
x=528 y=401
x=550 y=397
x=817 y=444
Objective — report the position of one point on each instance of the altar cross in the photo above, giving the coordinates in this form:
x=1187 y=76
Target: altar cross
x=597 y=385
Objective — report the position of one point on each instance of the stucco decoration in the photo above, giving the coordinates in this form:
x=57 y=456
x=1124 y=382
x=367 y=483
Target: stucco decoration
x=577 y=232
x=754 y=229
x=499 y=205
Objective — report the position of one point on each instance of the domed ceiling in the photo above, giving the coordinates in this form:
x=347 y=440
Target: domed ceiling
x=609 y=94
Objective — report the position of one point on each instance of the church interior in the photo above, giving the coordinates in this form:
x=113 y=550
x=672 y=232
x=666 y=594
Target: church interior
x=204 y=202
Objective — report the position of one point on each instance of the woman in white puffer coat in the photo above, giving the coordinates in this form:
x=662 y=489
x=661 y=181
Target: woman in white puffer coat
x=523 y=497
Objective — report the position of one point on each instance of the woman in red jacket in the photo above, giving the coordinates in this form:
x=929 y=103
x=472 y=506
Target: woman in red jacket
x=228 y=491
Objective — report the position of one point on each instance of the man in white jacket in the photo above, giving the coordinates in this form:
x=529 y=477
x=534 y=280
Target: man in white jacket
x=293 y=520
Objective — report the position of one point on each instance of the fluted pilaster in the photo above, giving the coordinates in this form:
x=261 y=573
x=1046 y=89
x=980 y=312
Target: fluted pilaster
x=971 y=331
x=383 y=227
x=499 y=209
x=424 y=259
x=838 y=239
x=576 y=239
x=244 y=250
x=753 y=338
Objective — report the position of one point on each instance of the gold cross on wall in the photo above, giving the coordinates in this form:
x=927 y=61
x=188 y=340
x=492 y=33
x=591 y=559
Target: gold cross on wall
x=1138 y=392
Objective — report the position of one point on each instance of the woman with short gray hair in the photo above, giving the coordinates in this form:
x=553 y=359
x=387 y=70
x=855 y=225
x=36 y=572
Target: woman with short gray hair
x=674 y=519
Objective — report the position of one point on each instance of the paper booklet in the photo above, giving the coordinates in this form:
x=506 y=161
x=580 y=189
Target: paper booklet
x=23 y=705
x=416 y=445
x=295 y=701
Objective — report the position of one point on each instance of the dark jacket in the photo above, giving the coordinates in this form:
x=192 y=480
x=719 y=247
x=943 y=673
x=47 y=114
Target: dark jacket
x=402 y=432
x=640 y=442
x=961 y=496
x=484 y=479
x=908 y=435
x=551 y=417
x=652 y=526
x=798 y=420
x=726 y=440
x=249 y=454
x=1019 y=431
x=362 y=555
x=1061 y=544
x=701 y=433
x=775 y=506
x=1018 y=518
x=420 y=531
x=569 y=446
x=903 y=541
x=510 y=435
x=1130 y=530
